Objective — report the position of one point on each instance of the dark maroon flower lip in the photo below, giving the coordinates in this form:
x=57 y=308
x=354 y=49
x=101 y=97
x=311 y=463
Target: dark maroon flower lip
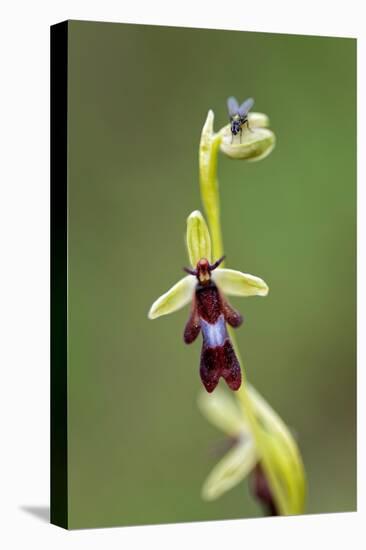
x=210 y=314
x=262 y=492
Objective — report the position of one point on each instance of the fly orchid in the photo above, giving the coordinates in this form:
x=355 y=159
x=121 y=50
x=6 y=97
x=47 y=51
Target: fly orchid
x=205 y=288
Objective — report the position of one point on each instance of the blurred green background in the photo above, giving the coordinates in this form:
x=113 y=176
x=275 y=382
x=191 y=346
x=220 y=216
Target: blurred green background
x=139 y=449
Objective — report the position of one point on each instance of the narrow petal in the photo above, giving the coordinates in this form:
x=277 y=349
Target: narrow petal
x=223 y=412
x=235 y=283
x=231 y=470
x=198 y=238
x=177 y=297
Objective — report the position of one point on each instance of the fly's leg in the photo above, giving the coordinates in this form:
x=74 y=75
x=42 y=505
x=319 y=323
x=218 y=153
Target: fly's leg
x=249 y=128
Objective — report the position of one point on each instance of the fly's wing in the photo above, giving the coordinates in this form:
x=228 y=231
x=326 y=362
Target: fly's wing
x=245 y=107
x=232 y=106
x=193 y=326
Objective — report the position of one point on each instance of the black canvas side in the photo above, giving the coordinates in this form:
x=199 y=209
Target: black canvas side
x=59 y=69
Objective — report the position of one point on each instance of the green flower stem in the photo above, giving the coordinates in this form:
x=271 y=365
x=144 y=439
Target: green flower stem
x=276 y=447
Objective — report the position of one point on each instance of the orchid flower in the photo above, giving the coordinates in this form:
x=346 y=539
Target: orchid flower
x=205 y=288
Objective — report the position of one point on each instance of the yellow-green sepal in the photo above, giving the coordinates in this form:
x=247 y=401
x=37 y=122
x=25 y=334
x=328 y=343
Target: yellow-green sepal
x=231 y=469
x=236 y=283
x=223 y=412
x=175 y=298
x=198 y=238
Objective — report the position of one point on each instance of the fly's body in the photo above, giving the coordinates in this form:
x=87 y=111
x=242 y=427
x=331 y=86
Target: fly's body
x=238 y=115
x=209 y=315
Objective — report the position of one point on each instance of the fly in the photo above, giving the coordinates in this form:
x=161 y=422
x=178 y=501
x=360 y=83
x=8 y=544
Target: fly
x=238 y=115
x=209 y=315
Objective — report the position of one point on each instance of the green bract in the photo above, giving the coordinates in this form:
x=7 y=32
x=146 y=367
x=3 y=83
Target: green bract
x=280 y=456
x=209 y=147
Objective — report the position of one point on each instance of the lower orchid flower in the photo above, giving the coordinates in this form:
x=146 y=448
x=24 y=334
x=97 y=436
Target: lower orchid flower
x=243 y=458
x=248 y=459
x=205 y=288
